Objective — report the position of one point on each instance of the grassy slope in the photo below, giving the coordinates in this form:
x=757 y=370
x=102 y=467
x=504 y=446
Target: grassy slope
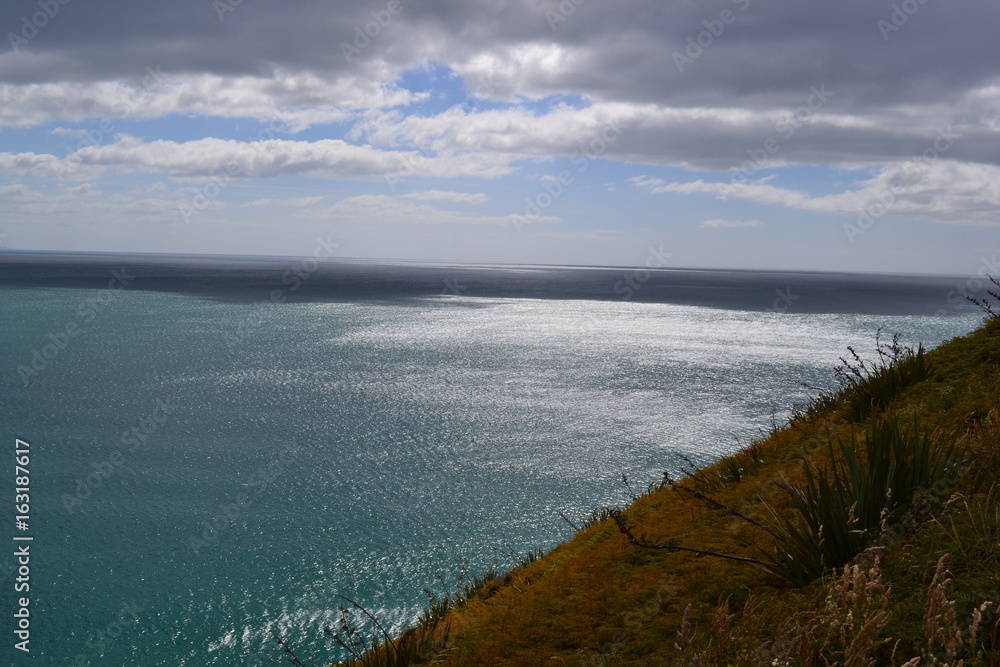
x=598 y=600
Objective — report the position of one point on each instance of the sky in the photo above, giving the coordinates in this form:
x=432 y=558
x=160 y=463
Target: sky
x=858 y=135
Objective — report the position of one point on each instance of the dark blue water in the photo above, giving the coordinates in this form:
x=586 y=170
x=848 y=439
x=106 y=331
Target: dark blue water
x=209 y=461
x=259 y=279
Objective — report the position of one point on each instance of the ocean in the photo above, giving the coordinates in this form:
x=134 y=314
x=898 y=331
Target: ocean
x=222 y=446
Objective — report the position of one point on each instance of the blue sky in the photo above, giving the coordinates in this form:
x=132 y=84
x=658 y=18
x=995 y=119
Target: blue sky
x=729 y=134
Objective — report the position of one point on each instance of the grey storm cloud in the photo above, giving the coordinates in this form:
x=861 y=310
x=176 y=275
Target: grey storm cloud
x=898 y=71
x=772 y=49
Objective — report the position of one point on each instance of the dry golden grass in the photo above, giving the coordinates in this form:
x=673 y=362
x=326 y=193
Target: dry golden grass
x=599 y=600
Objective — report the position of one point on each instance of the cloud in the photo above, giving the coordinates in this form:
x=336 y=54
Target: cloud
x=44 y=166
x=719 y=223
x=17 y=191
x=77 y=133
x=385 y=209
x=298 y=202
x=290 y=101
x=443 y=195
x=944 y=191
x=331 y=158
x=83 y=208
x=285 y=66
x=890 y=91
x=600 y=235
x=706 y=138
x=785 y=84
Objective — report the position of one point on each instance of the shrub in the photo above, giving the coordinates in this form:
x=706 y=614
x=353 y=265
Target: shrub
x=841 y=509
x=870 y=386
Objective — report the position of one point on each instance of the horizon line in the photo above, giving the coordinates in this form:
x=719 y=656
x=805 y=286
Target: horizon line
x=440 y=263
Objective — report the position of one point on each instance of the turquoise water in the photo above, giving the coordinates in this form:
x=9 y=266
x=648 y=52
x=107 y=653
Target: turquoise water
x=254 y=462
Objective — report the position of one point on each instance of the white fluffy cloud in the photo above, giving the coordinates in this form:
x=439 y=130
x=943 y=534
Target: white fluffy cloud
x=940 y=190
x=385 y=209
x=43 y=165
x=446 y=195
x=291 y=101
x=786 y=84
x=295 y=202
x=719 y=223
x=332 y=158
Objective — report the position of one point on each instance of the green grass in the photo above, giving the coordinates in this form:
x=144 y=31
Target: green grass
x=908 y=554
x=845 y=507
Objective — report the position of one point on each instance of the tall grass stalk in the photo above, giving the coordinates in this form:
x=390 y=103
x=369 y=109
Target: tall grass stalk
x=867 y=387
x=984 y=303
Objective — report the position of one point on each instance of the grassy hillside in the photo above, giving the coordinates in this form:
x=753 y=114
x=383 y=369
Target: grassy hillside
x=866 y=532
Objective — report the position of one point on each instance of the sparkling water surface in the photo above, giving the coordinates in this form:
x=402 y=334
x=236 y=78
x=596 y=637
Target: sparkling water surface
x=299 y=451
